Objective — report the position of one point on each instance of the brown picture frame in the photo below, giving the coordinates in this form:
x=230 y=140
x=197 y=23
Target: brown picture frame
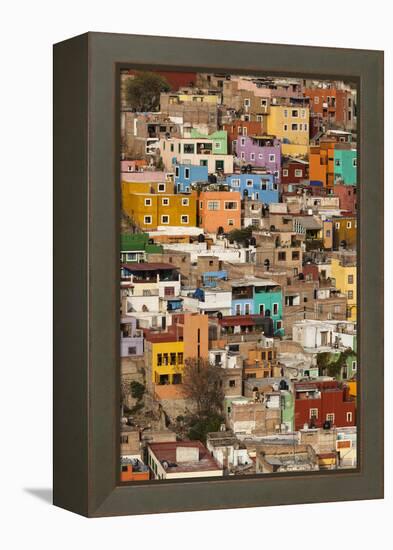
x=86 y=267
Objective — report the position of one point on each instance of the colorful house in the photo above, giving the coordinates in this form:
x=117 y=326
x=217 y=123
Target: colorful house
x=166 y=352
x=345 y=166
x=343 y=274
x=198 y=151
x=290 y=124
x=150 y=210
x=345 y=232
x=219 y=139
x=263 y=151
x=260 y=187
x=258 y=296
x=134 y=247
x=317 y=403
x=239 y=128
x=186 y=174
x=219 y=209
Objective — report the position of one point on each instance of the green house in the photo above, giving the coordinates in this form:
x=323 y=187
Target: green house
x=345 y=166
x=219 y=139
x=135 y=246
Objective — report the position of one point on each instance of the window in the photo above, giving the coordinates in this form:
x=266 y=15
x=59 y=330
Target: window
x=259 y=118
x=272 y=157
x=298 y=173
x=279 y=325
x=230 y=205
x=235 y=182
x=337 y=224
x=260 y=156
x=242 y=142
x=350 y=279
x=185 y=202
x=301 y=127
x=294 y=127
x=177 y=171
x=161 y=187
x=238 y=309
x=232 y=383
x=316 y=100
x=349 y=416
x=165 y=202
x=263 y=102
x=285 y=127
x=337 y=162
x=147 y=202
x=187 y=173
x=132 y=350
x=184 y=219
x=350 y=294
x=349 y=225
x=244 y=130
x=231 y=222
x=282 y=256
x=147 y=220
x=295 y=113
x=303 y=113
x=247 y=102
x=247 y=309
x=243 y=155
x=285 y=113
x=295 y=255
x=285 y=172
x=180 y=358
x=249 y=183
x=275 y=309
x=159 y=359
x=305 y=127
x=124 y=439
x=252 y=156
x=213 y=205
x=354 y=163
x=217 y=145
x=165 y=220
x=239 y=130
x=189 y=148
x=313 y=414
x=330 y=417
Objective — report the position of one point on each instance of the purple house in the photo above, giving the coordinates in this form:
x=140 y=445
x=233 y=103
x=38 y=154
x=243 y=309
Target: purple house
x=262 y=151
x=131 y=338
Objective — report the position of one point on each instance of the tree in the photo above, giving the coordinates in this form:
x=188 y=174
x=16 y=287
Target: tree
x=240 y=235
x=202 y=384
x=143 y=92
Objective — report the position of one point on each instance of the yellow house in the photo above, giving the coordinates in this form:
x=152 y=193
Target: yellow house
x=166 y=359
x=150 y=210
x=291 y=123
x=345 y=281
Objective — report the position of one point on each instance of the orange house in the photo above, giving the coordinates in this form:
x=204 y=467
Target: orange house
x=332 y=104
x=321 y=168
x=219 y=209
x=133 y=470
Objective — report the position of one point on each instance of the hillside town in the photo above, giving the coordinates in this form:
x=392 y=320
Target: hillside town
x=238 y=275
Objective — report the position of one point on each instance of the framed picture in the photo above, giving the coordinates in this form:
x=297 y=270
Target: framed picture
x=218 y=274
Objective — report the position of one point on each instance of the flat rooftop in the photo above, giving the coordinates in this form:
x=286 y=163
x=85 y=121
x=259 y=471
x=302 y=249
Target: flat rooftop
x=166 y=452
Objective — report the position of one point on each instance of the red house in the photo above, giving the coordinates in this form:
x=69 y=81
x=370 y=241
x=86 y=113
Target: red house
x=320 y=402
x=294 y=171
x=347 y=196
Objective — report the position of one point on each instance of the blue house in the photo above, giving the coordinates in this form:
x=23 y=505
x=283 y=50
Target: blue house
x=260 y=187
x=185 y=174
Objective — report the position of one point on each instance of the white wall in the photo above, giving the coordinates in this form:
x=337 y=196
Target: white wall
x=28 y=30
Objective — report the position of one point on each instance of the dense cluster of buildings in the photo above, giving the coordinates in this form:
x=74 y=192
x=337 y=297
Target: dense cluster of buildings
x=238 y=248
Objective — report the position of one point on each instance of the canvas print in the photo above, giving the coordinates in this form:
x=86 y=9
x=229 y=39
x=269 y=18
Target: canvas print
x=238 y=275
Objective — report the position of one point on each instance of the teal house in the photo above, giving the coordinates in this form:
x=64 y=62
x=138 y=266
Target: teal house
x=219 y=139
x=345 y=166
x=257 y=296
